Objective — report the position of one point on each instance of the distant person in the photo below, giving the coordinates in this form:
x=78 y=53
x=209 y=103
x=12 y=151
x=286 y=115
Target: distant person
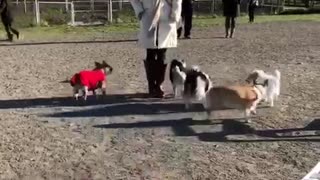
x=231 y=10
x=252 y=6
x=186 y=14
x=7 y=19
x=158 y=32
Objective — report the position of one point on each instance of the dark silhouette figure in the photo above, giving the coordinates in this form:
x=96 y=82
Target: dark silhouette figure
x=252 y=6
x=186 y=15
x=231 y=10
x=7 y=19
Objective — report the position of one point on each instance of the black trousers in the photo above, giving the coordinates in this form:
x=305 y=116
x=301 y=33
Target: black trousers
x=251 y=13
x=7 y=22
x=186 y=15
x=230 y=22
x=158 y=55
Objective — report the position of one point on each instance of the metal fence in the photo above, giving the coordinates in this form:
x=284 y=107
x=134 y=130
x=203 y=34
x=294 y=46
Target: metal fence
x=105 y=11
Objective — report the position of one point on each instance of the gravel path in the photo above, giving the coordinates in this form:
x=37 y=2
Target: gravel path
x=46 y=135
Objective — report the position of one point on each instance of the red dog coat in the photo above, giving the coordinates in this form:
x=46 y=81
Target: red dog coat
x=88 y=78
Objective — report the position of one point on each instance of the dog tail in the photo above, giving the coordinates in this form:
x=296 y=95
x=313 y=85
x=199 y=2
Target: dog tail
x=65 y=81
x=278 y=74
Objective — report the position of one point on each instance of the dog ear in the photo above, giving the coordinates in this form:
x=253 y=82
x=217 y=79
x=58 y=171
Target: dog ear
x=97 y=64
x=252 y=77
x=265 y=83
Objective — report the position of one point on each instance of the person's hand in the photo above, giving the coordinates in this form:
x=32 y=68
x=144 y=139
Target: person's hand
x=140 y=15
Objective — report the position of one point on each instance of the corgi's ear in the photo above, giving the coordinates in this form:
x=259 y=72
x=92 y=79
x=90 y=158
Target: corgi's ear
x=104 y=63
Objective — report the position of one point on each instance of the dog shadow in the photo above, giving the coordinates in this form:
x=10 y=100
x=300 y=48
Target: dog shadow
x=222 y=130
x=129 y=108
x=70 y=101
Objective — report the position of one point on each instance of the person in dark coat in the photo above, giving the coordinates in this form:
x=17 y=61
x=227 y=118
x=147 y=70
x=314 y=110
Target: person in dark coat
x=186 y=14
x=252 y=6
x=231 y=10
x=7 y=19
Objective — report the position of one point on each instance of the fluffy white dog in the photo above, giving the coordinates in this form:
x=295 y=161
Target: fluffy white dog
x=273 y=84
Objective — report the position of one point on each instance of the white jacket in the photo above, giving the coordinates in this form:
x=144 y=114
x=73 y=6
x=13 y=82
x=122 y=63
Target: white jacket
x=166 y=31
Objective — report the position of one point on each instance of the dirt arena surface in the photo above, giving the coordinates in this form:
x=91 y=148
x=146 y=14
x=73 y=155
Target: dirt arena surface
x=45 y=135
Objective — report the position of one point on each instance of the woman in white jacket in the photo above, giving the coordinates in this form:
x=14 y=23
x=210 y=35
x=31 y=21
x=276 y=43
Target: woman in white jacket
x=158 y=31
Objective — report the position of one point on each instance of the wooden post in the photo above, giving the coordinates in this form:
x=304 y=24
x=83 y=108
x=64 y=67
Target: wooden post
x=72 y=14
x=92 y=6
x=25 y=6
x=67 y=5
x=37 y=12
x=110 y=11
x=212 y=7
x=120 y=4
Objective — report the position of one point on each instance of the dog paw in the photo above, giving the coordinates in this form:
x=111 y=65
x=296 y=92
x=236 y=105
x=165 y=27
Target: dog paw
x=254 y=112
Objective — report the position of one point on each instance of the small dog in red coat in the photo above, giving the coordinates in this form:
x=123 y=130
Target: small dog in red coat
x=90 y=80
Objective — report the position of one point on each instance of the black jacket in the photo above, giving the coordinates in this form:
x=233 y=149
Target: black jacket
x=231 y=8
x=5 y=11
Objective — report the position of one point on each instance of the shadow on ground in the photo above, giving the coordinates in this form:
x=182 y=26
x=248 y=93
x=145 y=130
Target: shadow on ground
x=69 y=101
x=228 y=130
x=63 y=42
x=8 y=43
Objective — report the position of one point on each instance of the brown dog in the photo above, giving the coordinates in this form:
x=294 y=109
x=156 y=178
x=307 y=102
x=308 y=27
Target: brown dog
x=90 y=80
x=242 y=97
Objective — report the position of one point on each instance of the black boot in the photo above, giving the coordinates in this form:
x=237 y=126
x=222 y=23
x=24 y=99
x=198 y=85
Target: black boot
x=150 y=77
x=179 y=31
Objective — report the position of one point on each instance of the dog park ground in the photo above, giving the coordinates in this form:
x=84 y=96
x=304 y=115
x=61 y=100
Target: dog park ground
x=46 y=135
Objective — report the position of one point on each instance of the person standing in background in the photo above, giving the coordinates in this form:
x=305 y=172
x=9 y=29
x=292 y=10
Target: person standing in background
x=252 y=6
x=158 y=32
x=186 y=14
x=7 y=19
x=231 y=10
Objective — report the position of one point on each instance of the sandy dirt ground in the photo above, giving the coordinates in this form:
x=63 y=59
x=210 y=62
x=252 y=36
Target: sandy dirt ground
x=46 y=135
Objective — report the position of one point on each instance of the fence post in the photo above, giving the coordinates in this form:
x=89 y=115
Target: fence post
x=25 y=6
x=67 y=5
x=72 y=14
x=110 y=11
x=212 y=7
x=92 y=6
x=37 y=12
x=120 y=4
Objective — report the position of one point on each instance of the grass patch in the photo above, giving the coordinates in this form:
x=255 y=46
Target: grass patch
x=54 y=32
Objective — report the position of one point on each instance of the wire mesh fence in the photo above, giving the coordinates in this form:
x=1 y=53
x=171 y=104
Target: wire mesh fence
x=53 y=12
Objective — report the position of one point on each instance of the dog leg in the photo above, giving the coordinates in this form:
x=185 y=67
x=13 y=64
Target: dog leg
x=247 y=115
x=271 y=102
x=253 y=108
x=175 y=91
x=95 y=94
x=208 y=114
x=76 y=93
x=85 y=93
x=104 y=89
x=276 y=97
x=104 y=93
x=187 y=104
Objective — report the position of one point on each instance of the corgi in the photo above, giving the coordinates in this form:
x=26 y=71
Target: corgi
x=90 y=80
x=242 y=97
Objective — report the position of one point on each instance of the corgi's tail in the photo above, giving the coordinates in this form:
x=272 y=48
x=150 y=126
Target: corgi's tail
x=277 y=73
